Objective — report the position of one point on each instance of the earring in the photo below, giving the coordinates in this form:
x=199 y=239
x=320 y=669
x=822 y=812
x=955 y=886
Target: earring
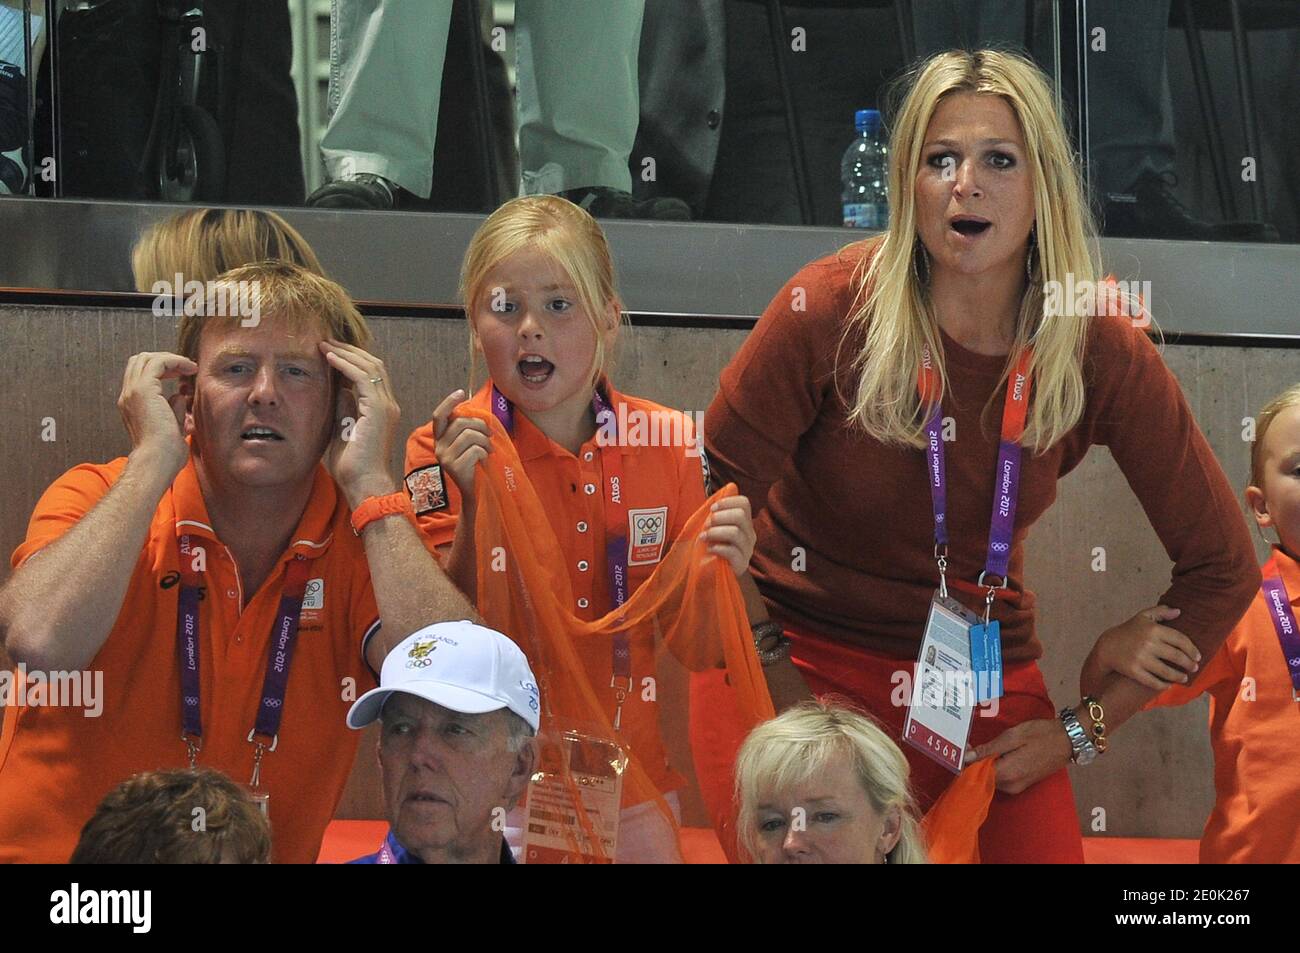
x=1029 y=258
x=919 y=254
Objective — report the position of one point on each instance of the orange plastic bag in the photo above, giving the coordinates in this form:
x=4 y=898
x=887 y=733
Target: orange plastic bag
x=688 y=616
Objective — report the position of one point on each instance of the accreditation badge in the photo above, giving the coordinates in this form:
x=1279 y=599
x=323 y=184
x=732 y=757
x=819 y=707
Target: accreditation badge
x=260 y=797
x=575 y=798
x=943 y=687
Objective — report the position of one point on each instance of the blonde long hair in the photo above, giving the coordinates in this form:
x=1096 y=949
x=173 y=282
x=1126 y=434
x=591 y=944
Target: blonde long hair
x=801 y=743
x=893 y=316
x=564 y=233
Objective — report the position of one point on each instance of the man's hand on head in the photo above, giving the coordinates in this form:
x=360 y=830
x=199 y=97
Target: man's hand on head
x=154 y=420
x=359 y=454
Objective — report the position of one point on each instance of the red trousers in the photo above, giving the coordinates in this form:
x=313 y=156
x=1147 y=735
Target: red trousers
x=1039 y=825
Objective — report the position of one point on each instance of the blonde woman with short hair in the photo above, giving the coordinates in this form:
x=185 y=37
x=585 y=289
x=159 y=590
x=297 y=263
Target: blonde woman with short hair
x=823 y=784
x=893 y=362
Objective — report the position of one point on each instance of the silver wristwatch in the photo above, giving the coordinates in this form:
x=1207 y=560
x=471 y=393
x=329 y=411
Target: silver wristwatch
x=1083 y=751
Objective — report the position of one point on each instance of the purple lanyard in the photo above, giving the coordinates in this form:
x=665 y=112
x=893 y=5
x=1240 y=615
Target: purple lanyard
x=615 y=520
x=1007 y=482
x=284 y=636
x=394 y=854
x=1284 y=622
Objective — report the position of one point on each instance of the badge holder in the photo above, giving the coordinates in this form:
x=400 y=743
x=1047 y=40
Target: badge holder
x=575 y=798
x=943 y=697
x=258 y=794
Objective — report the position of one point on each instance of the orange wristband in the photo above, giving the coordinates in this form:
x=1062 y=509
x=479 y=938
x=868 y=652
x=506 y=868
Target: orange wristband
x=377 y=507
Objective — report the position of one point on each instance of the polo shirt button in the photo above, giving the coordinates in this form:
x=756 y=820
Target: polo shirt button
x=583 y=603
x=714 y=119
x=590 y=488
x=582 y=565
x=582 y=526
x=587 y=456
x=230 y=593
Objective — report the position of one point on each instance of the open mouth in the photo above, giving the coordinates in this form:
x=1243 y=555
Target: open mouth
x=535 y=369
x=970 y=227
x=260 y=435
x=424 y=797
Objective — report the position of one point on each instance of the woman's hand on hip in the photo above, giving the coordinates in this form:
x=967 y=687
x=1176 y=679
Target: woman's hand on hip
x=1026 y=753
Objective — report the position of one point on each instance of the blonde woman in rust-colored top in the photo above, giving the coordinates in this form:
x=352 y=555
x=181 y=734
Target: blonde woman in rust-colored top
x=821 y=422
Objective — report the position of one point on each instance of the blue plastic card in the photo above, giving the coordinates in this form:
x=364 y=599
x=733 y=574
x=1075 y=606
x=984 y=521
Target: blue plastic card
x=986 y=661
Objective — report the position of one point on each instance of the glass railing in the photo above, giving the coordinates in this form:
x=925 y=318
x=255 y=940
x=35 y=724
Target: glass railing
x=707 y=110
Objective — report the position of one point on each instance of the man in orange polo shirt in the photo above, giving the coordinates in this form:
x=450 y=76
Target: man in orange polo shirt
x=219 y=579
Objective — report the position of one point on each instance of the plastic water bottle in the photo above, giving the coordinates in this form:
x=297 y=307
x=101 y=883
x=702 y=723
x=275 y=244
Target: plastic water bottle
x=864 y=175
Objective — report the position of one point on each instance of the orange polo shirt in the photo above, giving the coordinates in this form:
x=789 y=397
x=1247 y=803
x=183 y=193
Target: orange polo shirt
x=663 y=477
x=56 y=764
x=660 y=478
x=1255 y=734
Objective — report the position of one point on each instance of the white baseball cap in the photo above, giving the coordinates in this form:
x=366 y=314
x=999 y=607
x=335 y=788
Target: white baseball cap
x=458 y=665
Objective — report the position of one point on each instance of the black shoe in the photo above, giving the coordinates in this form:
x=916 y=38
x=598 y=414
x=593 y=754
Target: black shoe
x=360 y=191
x=601 y=202
x=1152 y=210
x=13 y=107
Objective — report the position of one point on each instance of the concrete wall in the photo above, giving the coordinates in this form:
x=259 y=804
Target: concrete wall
x=1157 y=779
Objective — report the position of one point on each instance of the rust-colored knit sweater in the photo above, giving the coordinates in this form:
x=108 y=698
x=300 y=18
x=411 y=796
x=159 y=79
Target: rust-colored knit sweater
x=859 y=512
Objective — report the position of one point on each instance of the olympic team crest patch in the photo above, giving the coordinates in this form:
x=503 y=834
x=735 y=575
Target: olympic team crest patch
x=647 y=533
x=314 y=597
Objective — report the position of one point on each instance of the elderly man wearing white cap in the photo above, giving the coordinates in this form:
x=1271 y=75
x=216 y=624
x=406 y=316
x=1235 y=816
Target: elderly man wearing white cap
x=459 y=711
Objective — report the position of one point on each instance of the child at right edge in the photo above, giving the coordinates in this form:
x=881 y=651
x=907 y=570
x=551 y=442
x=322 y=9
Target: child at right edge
x=1254 y=680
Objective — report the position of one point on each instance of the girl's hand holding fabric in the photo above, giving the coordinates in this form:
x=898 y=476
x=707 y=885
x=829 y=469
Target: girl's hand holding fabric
x=730 y=533
x=461 y=443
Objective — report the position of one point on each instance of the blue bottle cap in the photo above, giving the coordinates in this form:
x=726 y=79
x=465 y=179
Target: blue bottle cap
x=867 y=120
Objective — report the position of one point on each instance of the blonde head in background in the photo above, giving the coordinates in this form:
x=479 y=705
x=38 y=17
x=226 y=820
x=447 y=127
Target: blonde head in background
x=822 y=783
x=1274 y=492
x=203 y=243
